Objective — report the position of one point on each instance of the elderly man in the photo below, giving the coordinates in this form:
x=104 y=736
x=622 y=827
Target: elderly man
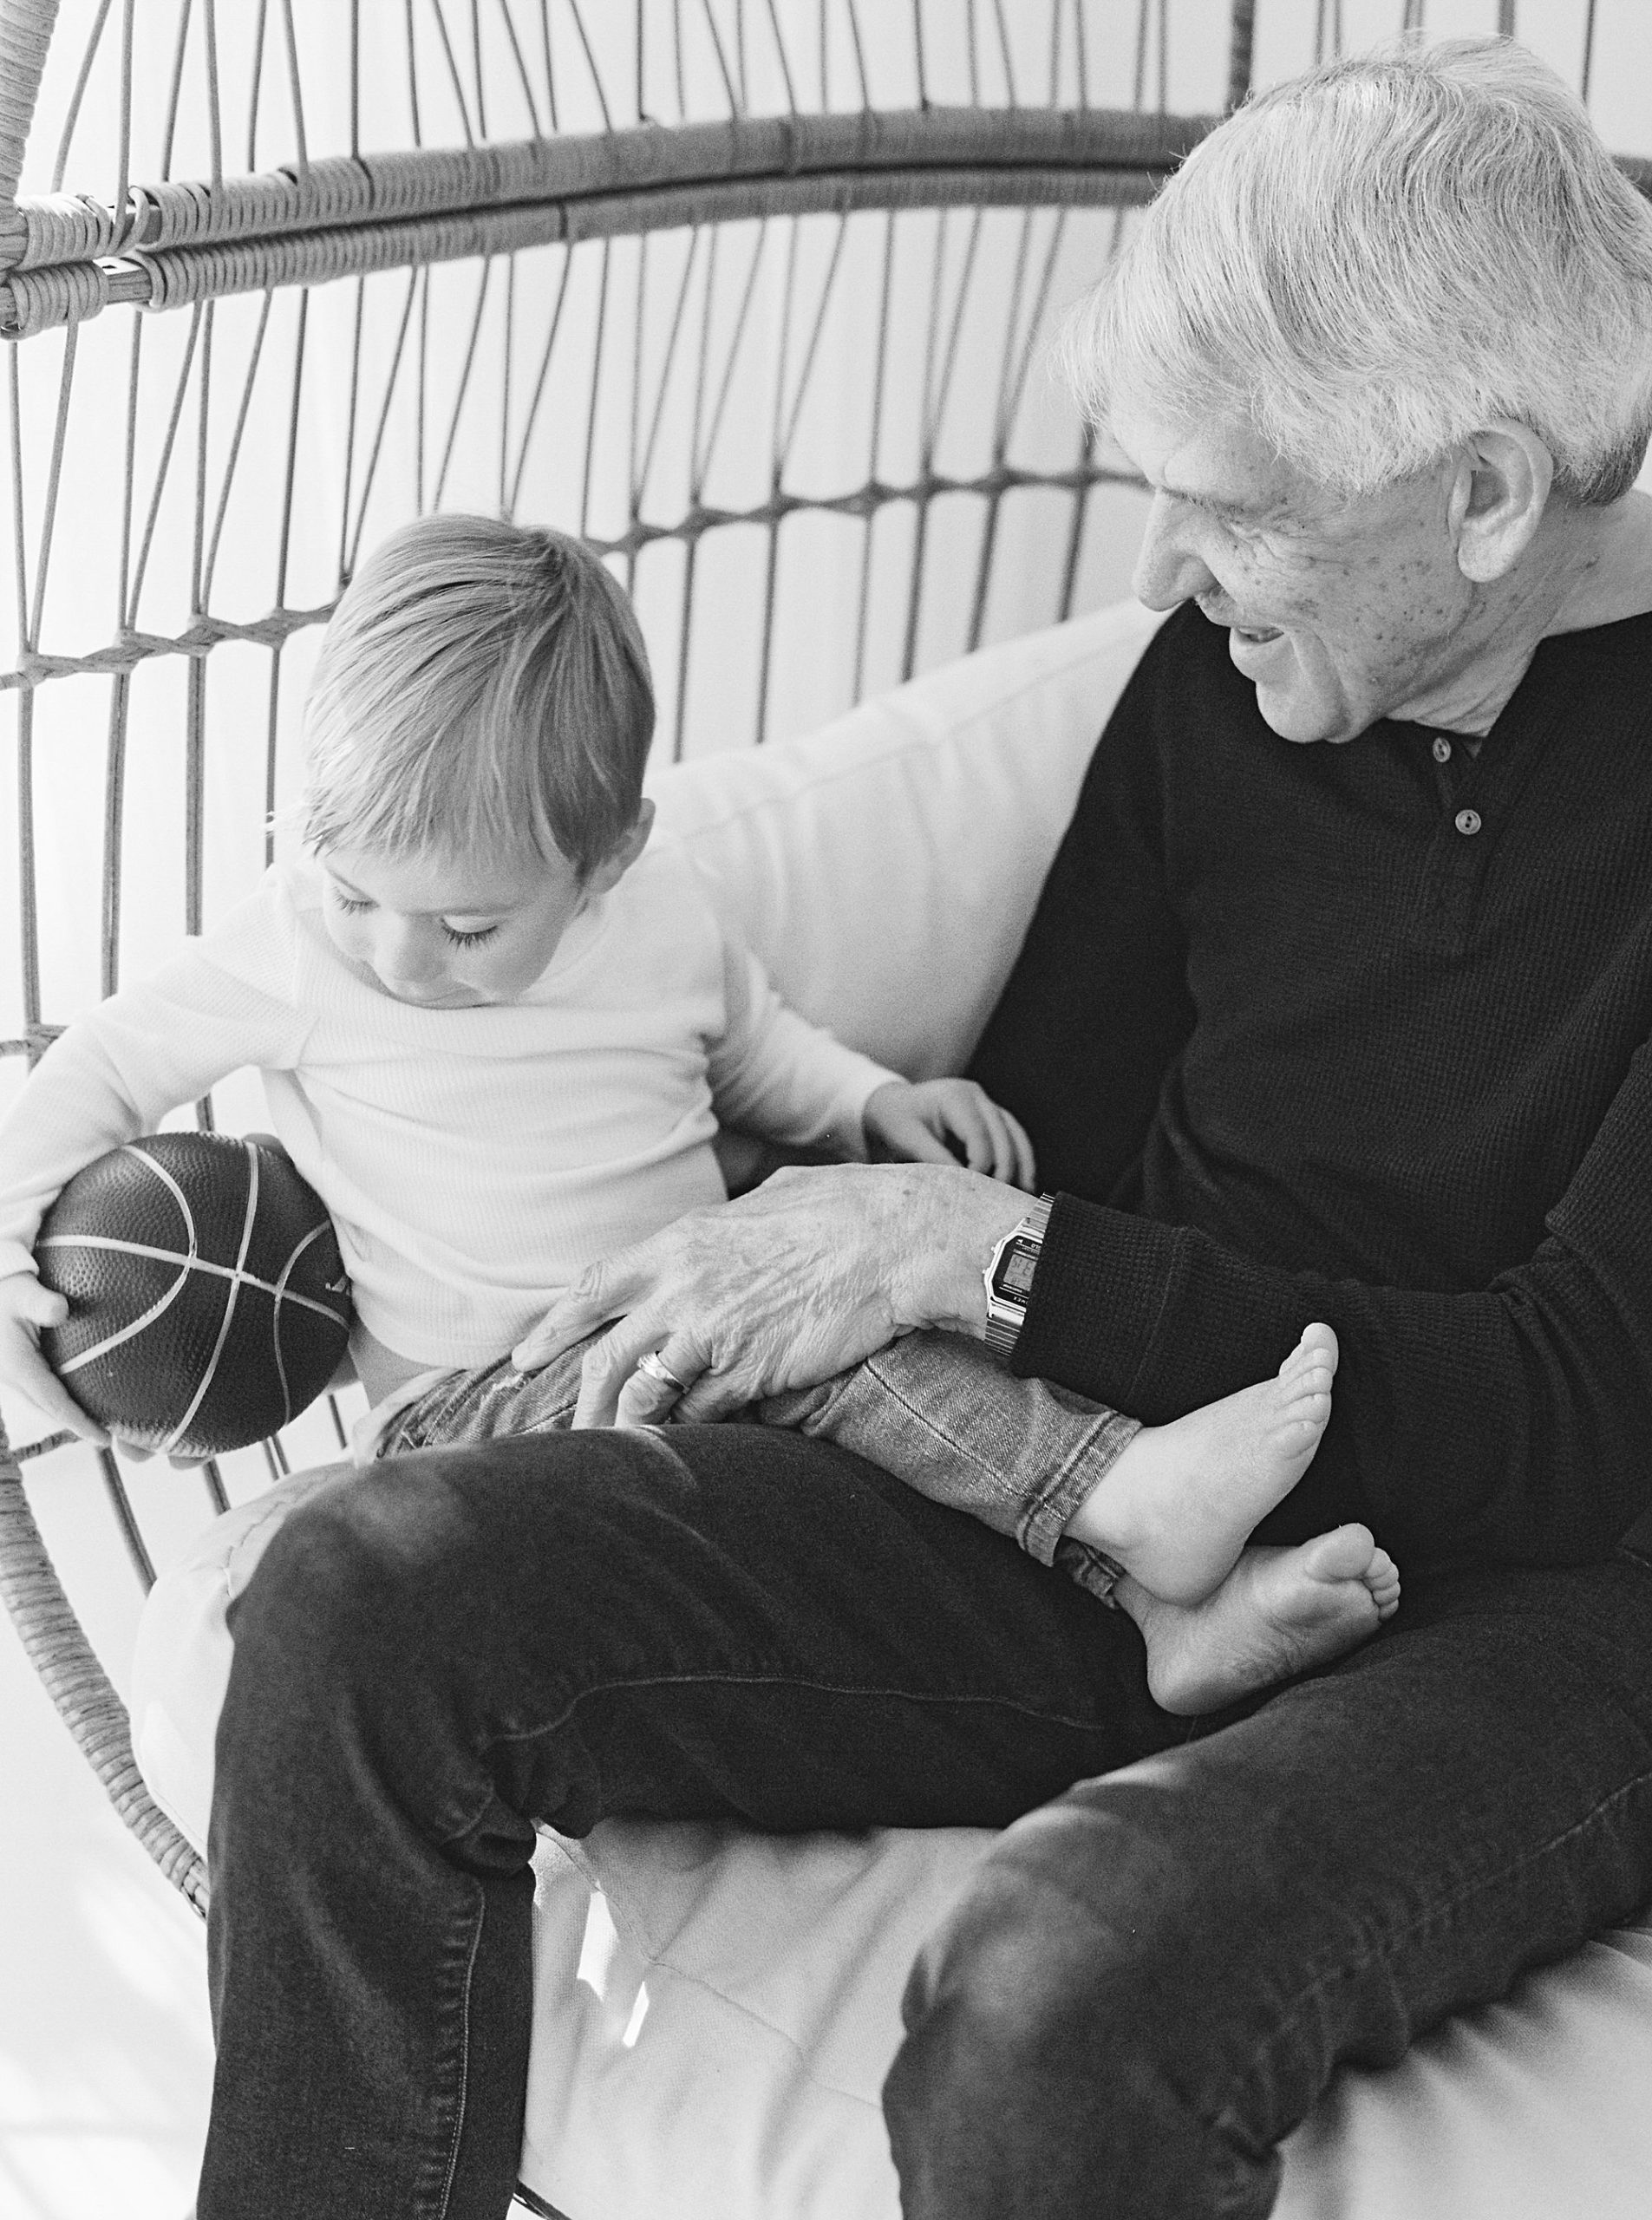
x=1335 y=1006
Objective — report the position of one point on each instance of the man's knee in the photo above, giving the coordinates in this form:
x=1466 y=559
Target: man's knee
x=391 y=1588
x=315 y=1628
x=1065 y=2050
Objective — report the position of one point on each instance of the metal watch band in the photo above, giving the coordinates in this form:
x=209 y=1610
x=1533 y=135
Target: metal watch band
x=1008 y=1278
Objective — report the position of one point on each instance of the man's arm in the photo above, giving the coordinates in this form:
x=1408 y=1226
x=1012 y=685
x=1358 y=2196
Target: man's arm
x=1511 y=1422
x=1084 y=1078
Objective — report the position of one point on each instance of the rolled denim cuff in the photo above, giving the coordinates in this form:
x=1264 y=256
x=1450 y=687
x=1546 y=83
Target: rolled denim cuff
x=1046 y=1508
x=1092 y=1570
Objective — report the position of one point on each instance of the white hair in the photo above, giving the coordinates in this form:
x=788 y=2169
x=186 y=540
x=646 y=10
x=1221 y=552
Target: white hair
x=1373 y=261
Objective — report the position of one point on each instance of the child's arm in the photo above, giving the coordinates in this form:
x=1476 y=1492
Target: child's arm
x=774 y=1073
x=114 y=1075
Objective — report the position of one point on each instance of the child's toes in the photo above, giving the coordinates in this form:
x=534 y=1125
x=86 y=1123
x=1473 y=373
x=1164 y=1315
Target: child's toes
x=1382 y=1578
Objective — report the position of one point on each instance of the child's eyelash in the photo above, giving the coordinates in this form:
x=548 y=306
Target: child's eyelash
x=355 y=902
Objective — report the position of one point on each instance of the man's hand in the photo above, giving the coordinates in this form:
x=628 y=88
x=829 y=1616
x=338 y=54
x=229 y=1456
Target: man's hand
x=934 y=1120
x=804 y=1276
x=25 y=1308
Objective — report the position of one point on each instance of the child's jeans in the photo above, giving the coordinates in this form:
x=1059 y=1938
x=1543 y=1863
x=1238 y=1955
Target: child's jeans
x=933 y=1408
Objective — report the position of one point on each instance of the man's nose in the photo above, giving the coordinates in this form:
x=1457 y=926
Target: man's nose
x=1168 y=569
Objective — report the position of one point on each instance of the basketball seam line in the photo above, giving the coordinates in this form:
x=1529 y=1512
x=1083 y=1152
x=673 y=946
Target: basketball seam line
x=314 y=1234
x=165 y=1301
x=195 y=1263
x=224 y=1323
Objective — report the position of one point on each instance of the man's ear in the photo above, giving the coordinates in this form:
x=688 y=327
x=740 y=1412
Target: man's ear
x=614 y=865
x=1505 y=474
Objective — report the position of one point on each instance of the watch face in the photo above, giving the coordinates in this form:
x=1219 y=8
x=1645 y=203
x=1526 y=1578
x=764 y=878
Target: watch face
x=1015 y=1273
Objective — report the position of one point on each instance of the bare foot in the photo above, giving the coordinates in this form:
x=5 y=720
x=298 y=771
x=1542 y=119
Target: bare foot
x=1177 y=1505
x=1279 y=1612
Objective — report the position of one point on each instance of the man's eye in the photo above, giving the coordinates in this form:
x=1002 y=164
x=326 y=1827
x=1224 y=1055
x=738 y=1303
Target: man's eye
x=469 y=940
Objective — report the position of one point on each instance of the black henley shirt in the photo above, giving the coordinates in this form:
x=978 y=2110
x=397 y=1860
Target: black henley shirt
x=1359 y=1032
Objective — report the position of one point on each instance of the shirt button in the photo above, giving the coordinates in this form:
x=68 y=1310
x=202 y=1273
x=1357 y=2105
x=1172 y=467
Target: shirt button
x=1468 y=821
x=1442 y=751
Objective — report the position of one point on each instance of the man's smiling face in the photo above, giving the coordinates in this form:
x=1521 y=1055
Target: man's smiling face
x=1340 y=609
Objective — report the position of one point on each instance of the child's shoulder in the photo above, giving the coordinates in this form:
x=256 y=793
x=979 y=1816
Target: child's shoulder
x=660 y=921
x=666 y=889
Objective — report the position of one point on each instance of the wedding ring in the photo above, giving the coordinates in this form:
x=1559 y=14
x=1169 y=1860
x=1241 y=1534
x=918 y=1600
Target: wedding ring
x=657 y=1369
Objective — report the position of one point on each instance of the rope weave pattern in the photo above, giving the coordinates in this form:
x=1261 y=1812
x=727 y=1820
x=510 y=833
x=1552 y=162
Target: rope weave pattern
x=25 y=34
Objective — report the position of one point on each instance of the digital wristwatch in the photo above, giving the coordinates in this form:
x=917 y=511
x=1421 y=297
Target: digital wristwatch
x=1008 y=1278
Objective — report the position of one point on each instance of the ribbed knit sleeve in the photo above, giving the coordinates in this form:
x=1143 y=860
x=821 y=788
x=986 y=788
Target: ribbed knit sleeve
x=1513 y=1423
x=773 y=1073
x=220 y=1004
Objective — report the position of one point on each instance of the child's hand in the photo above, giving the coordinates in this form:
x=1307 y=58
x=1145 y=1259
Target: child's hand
x=917 y=1123
x=25 y=1307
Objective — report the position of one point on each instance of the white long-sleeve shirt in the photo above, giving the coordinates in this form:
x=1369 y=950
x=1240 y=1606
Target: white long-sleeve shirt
x=474 y=1161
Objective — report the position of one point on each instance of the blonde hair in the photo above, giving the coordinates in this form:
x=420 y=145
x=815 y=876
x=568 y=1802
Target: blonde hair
x=480 y=687
x=1369 y=263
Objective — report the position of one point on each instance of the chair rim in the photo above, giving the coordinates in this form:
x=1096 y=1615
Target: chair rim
x=56 y=1646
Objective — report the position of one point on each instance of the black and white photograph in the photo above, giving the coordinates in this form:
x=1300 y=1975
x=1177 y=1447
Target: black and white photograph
x=826 y=1110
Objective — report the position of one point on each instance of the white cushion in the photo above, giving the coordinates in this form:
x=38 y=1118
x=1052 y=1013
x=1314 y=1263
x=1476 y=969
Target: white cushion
x=715 y=2012
x=885 y=869
x=712 y=2024
x=711 y=2030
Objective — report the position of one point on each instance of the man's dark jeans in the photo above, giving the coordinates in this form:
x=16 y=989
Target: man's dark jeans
x=1154 y=1974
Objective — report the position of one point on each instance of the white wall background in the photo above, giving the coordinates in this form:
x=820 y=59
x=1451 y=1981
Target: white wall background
x=104 y=2048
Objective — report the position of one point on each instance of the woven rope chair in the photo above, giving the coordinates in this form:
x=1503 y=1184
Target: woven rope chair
x=699 y=276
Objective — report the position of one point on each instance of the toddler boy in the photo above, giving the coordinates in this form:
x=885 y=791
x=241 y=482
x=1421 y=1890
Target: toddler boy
x=499 y=1037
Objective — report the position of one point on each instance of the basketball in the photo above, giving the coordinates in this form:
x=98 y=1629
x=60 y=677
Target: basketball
x=208 y=1301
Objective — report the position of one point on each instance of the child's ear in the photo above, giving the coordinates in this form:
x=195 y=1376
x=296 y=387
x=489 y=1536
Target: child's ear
x=618 y=861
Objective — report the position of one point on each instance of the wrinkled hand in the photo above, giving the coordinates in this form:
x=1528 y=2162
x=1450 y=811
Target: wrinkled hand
x=806 y=1275
x=917 y=1122
x=25 y=1308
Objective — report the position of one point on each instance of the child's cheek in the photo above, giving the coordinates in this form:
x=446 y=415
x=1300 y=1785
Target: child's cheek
x=346 y=935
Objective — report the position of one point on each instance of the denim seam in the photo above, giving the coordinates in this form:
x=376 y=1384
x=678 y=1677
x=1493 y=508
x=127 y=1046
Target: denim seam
x=964 y=1449
x=792 y=1680
x=1044 y=1511
x=464 y=2056
x=1049 y=1507
x=1383 y=1946
x=750 y=1681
